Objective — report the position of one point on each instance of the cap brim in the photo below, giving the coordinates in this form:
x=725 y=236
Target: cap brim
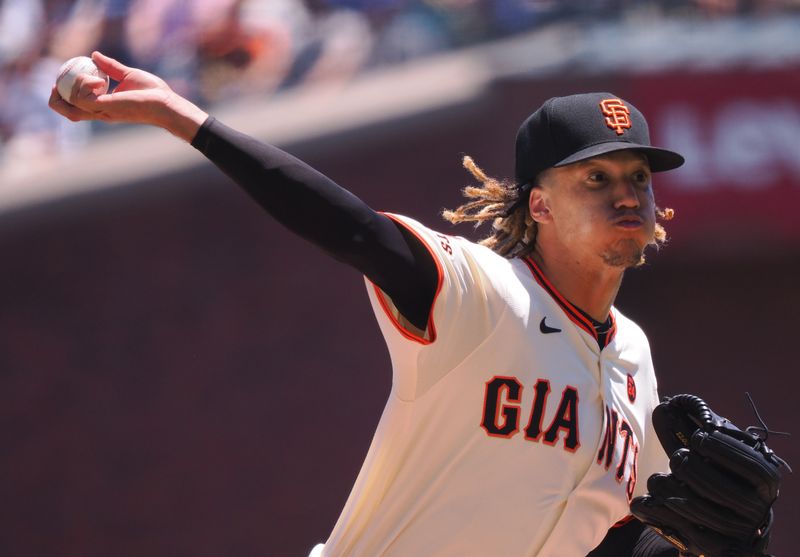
x=659 y=159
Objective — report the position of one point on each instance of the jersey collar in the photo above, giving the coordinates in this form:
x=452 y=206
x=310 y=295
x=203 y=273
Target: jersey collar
x=603 y=333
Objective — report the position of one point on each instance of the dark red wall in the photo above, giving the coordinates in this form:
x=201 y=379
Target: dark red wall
x=181 y=376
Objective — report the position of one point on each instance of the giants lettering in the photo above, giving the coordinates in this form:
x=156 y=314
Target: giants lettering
x=534 y=429
x=495 y=389
x=616 y=427
x=610 y=441
x=445 y=243
x=501 y=412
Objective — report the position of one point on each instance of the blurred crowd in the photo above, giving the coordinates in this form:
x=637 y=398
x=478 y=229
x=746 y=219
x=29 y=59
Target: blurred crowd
x=215 y=50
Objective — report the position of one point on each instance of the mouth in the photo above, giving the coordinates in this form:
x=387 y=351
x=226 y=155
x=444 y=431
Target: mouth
x=629 y=222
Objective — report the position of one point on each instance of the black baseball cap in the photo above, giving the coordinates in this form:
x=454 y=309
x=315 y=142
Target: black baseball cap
x=569 y=129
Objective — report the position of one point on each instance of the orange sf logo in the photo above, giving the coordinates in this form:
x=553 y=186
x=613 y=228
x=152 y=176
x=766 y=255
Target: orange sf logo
x=617 y=115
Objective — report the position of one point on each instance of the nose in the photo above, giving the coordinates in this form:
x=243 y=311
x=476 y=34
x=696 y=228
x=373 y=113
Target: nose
x=626 y=195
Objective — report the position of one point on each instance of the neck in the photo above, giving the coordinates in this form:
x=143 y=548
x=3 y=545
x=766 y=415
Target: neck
x=591 y=288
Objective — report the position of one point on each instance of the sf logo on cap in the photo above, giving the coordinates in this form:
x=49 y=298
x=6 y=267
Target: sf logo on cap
x=617 y=115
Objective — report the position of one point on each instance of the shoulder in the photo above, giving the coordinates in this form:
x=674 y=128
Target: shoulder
x=451 y=247
x=470 y=273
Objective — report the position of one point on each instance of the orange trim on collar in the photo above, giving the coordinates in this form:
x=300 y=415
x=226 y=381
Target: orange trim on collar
x=572 y=312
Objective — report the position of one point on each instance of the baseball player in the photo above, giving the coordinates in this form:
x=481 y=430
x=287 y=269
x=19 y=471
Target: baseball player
x=519 y=420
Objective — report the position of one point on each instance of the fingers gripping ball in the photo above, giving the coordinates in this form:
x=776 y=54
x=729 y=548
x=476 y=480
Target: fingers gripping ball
x=71 y=69
x=717 y=500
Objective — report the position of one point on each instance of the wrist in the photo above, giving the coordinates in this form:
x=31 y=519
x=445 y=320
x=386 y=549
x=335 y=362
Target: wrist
x=180 y=117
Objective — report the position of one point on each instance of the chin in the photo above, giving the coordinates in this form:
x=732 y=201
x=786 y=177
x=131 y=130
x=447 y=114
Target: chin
x=623 y=254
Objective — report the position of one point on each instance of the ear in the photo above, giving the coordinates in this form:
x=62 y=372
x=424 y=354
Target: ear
x=539 y=205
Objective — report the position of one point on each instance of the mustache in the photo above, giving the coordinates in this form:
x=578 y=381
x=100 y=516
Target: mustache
x=628 y=215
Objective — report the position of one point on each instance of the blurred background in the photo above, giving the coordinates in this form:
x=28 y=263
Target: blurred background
x=181 y=376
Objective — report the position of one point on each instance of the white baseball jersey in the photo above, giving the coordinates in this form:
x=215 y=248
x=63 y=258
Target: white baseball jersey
x=509 y=431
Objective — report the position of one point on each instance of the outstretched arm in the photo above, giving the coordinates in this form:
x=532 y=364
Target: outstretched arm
x=301 y=198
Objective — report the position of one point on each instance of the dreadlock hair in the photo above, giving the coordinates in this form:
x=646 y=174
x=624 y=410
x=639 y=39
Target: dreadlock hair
x=502 y=202
x=506 y=205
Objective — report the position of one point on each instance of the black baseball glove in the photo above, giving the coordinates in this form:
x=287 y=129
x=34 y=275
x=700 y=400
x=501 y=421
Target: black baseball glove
x=717 y=502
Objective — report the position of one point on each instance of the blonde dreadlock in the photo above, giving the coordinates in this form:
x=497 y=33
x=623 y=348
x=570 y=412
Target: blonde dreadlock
x=505 y=204
x=514 y=231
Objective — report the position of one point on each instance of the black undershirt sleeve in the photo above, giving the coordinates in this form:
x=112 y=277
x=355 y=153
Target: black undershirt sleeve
x=634 y=539
x=311 y=205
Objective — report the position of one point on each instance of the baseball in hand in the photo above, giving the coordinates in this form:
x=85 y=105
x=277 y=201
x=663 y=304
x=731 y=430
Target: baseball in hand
x=71 y=69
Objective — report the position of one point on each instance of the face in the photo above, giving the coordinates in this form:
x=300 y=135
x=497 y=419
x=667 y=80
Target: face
x=600 y=209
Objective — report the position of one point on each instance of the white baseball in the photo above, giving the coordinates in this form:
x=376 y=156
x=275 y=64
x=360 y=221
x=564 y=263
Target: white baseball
x=71 y=69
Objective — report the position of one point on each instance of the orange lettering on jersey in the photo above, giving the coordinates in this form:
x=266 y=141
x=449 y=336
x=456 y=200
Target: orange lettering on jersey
x=629 y=457
x=617 y=115
x=497 y=389
x=634 y=472
x=626 y=433
x=606 y=452
x=534 y=429
x=567 y=419
x=501 y=412
x=445 y=243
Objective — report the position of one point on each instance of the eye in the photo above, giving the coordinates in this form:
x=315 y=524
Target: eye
x=641 y=178
x=597 y=178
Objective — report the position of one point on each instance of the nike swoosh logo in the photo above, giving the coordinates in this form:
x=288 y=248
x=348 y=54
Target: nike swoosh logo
x=547 y=330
